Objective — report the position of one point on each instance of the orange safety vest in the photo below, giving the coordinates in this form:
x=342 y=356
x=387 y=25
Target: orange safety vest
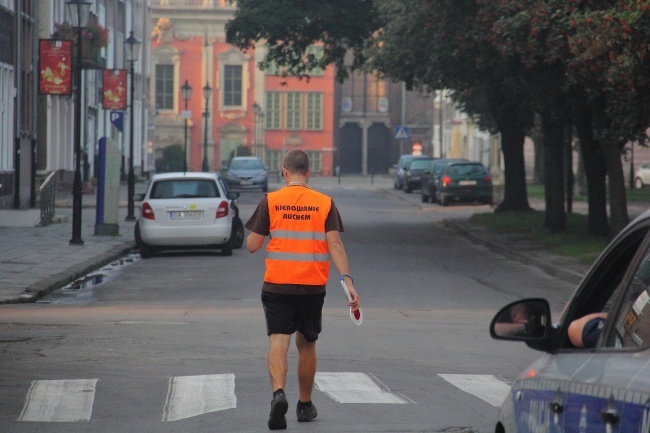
x=297 y=252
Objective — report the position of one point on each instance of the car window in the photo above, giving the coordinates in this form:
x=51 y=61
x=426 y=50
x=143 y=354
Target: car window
x=604 y=285
x=246 y=164
x=419 y=164
x=467 y=169
x=438 y=167
x=404 y=161
x=184 y=188
x=632 y=321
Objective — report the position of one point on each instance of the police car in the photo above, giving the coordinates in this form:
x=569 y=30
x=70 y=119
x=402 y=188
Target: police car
x=580 y=390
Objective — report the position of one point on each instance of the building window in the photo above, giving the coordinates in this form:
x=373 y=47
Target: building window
x=294 y=111
x=165 y=87
x=315 y=52
x=273 y=160
x=315 y=162
x=314 y=111
x=232 y=91
x=273 y=110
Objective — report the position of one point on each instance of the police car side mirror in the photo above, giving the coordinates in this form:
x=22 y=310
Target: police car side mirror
x=526 y=320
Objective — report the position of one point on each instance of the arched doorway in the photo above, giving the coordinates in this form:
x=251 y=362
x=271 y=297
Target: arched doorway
x=350 y=149
x=379 y=139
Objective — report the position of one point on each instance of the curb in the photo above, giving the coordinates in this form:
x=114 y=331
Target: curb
x=553 y=270
x=50 y=284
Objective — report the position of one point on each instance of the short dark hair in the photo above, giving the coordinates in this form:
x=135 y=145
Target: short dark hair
x=296 y=161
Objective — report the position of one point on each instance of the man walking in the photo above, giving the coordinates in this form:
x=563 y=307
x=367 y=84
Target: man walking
x=303 y=226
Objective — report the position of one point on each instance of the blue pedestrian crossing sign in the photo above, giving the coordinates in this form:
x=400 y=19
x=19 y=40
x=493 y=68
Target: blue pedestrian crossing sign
x=401 y=132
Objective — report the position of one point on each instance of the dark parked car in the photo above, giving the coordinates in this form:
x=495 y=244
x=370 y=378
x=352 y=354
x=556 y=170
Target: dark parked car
x=413 y=173
x=571 y=389
x=246 y=172
x=464 y=181
x=400 y=169
x=431 y=177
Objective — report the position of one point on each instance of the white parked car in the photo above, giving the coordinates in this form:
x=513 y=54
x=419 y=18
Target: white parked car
x=642 y=176
x=185 y=211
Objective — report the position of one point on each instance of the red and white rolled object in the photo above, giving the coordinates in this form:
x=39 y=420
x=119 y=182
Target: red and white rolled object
x=356 y=316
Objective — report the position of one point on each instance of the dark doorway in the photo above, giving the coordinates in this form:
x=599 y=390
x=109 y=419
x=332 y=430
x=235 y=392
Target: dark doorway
x=379 y=139
x=350 y=149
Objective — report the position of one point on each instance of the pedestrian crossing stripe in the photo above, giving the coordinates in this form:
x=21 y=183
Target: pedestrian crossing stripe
x=490 y=389
x=355 y=388
x=59 y=401
x=190 y=396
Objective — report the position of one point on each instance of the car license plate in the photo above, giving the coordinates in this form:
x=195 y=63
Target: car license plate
x=246 y=182
x=467 y=182
x=185 y=215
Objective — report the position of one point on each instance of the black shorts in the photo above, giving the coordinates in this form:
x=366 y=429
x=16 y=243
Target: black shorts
x=286 y=314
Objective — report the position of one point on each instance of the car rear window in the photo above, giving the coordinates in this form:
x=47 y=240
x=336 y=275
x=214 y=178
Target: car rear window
x=246 y=164
x=404 y=161
x=184 y=188
x=465 y=169
x=419 y=164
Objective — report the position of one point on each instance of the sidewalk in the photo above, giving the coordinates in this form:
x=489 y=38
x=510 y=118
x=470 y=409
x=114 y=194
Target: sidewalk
x=37 y=260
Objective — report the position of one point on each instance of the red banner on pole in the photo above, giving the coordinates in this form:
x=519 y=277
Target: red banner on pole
x=114 y=89
x=55 y=68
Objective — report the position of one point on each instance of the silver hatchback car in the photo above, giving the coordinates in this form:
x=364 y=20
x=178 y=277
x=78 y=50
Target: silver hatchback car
x=185 y=211
x=571 y=389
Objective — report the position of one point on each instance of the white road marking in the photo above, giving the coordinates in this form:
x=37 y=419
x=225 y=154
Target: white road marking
x=190 y=396
x=59 y=401
x=355 y=388
x=488 y=388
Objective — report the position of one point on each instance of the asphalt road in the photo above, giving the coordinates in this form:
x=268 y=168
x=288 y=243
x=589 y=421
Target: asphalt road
x=177 y=342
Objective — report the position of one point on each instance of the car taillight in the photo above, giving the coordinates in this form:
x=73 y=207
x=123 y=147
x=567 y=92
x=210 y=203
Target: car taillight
x=446 y=180
x=147 y=211
x=222 y=210
x=488 y=179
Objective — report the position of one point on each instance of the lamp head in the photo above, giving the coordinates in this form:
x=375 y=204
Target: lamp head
x=207 y=91
x=186 y=91
x=78 y=12
x=132 y=48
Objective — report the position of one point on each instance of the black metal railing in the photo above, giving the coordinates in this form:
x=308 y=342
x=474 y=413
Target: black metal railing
x=47 y=194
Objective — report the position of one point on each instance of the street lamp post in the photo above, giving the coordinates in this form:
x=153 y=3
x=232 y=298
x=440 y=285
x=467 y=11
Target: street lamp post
x=207 y=91
x=132 y=46
x=186 y=93
x=78 y=12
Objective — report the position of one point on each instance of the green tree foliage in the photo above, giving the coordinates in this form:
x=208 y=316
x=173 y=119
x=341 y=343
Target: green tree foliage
x=427 y=44
x=580 y=63
x=290 y=27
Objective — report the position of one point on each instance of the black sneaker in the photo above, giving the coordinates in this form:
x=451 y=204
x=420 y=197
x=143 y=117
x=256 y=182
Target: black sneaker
x=279 y=407
x=306 y=413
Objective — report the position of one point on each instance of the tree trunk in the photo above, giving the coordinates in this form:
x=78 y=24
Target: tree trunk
x=612 y=157
x=595 y=173
x=617 y=194
x=515 y=194
x=555 y=218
